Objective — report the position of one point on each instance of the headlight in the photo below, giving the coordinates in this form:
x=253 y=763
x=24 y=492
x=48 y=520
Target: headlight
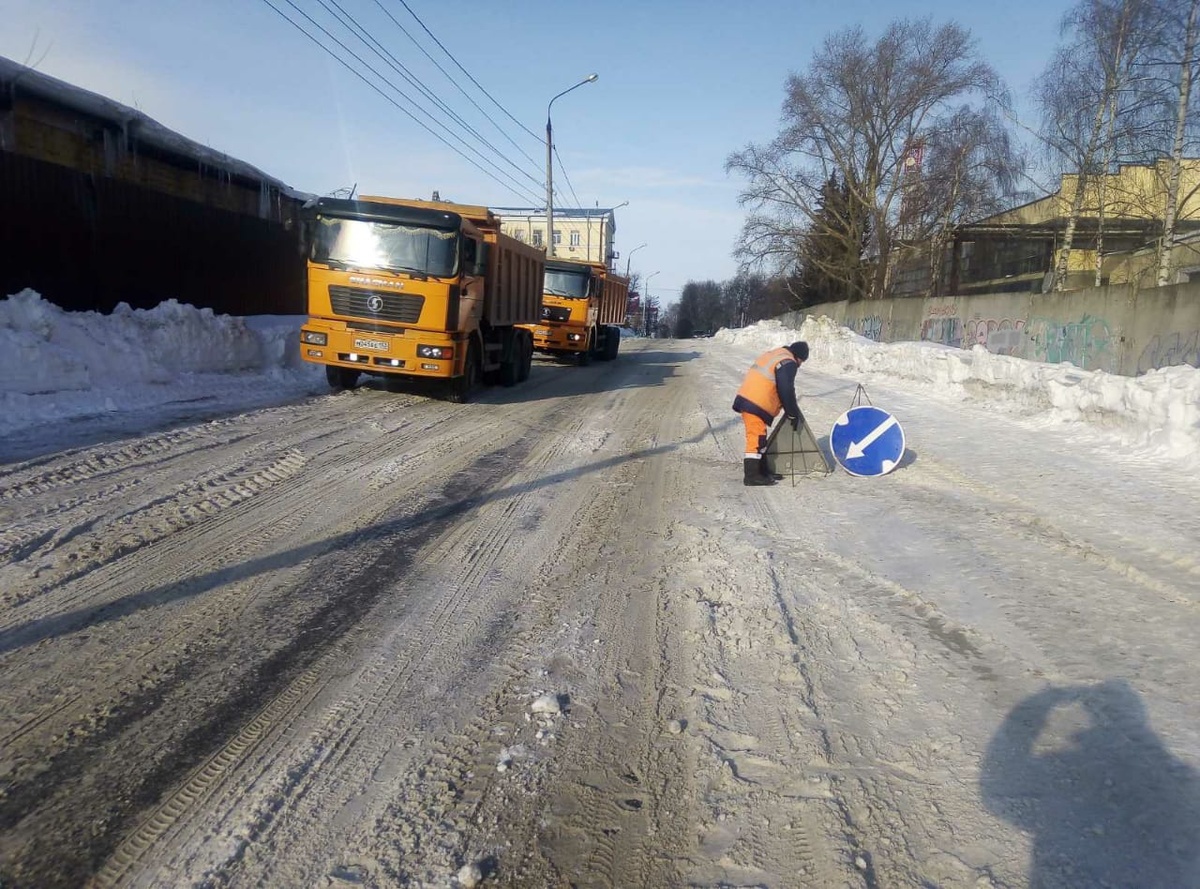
x=314 y=338
x=435 y=352
x=574 y=337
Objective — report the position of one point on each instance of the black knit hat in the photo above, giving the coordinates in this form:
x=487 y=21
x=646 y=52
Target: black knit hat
x=799 y=349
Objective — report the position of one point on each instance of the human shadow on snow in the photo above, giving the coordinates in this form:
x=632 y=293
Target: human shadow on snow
x=1107 y=804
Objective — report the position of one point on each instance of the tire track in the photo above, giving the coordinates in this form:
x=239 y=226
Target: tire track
x=47 y=722
x=350 y=729
x=229 y=544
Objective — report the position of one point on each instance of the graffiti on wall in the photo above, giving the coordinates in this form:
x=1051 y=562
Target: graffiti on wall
x=871 y=328
x=947 y=331
x=944 y=310
x=1002 y=336
x=1170 y=350
x=1087 y=343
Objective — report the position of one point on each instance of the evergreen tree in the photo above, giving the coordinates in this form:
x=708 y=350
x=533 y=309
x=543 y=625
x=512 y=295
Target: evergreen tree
x=831 y=252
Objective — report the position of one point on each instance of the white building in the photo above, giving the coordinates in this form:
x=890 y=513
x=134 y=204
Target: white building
x=578 y=234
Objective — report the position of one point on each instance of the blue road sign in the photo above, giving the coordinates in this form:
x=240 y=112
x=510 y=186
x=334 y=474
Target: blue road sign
x=867 y=441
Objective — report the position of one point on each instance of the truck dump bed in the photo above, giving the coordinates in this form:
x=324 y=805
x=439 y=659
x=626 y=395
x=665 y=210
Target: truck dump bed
x=516 y=274
x=614 y=295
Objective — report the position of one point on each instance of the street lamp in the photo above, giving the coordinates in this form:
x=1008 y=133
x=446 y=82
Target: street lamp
x=646 y=306
x=604 y=227
x=629 y=256
x=550 y=167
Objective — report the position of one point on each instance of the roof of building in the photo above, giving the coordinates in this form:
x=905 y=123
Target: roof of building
x=558 y=211
x=16 y=79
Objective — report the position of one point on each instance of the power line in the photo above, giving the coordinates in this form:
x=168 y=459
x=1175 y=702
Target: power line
x=466 y=72
x=511 y=185
x=401 y=92
x=563 y=170
x=448 y=76
x=456 y=84
x=380 y=50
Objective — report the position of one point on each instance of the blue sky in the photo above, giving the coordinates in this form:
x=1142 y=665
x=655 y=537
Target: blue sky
x=681 y=85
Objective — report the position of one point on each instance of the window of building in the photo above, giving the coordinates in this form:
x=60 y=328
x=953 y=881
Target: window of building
x=519 y=235
x=575 y=241
x=537 y=237
x=557 y=237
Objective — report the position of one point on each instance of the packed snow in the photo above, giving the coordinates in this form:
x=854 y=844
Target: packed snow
x=57 y=366
x=524 y=639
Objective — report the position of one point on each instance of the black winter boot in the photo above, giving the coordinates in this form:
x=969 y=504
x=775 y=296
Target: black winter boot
x=753 y=473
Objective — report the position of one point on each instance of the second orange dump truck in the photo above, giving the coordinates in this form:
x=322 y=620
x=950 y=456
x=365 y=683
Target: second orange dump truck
x=581 y=312
x=419 y=289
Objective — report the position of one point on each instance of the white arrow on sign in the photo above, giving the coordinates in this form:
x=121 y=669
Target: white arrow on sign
x=858 y=448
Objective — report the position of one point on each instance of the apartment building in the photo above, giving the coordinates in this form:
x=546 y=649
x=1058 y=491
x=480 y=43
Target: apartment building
x=583 y=234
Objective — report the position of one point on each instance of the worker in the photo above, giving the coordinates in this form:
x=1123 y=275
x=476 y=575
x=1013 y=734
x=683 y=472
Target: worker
x=768 y=388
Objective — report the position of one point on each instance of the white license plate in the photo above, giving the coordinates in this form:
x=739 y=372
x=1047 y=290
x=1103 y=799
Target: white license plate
x=378 y=345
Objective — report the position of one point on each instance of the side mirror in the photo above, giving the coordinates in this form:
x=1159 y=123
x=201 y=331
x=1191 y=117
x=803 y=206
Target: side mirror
x=482 y=251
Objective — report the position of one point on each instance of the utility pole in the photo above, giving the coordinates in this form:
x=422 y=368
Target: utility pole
x=629 y=257
x=550 y=166
x=648 y=306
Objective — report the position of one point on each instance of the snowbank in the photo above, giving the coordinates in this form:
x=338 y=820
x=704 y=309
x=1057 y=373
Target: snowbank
x=56 y=364
x=1159 y=410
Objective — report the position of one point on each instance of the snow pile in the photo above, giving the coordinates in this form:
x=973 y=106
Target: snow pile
x=1158 y=411
x=56 y=364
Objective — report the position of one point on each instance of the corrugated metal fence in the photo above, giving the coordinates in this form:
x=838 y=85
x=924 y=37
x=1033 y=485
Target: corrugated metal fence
x=88 y=243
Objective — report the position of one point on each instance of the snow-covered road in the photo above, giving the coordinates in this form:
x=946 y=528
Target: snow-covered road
x=374 y=639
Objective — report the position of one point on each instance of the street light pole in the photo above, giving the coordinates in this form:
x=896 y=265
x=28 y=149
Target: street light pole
x=550 y=167
x=603 y=226
x=646 y=308
x=629 y=257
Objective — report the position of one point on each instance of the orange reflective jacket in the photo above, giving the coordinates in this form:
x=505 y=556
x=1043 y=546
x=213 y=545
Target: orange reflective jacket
x=759 y=385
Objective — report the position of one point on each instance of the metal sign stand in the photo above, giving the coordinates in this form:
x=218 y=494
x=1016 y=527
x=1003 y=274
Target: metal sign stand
x=795 y=452
x=860 y=395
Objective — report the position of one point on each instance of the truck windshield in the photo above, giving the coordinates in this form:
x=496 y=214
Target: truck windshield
x=561 y=282
x=385 y=245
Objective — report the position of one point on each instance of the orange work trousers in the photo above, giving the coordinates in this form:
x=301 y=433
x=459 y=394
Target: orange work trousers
x=756 y=433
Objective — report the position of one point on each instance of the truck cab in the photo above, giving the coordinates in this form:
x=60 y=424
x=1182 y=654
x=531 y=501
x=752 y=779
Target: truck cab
x=573 y=314
x=418 y=289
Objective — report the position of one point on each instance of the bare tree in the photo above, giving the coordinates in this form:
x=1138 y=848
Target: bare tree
x=1177 y=52
x=747 y=298
x=854 y=117
x=1085 y=95
x=701 y=309
x=968 y=169
x=737 y=294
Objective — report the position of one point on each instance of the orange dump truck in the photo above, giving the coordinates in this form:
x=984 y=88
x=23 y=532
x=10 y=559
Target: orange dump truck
x=582 y=308
x=419 y=289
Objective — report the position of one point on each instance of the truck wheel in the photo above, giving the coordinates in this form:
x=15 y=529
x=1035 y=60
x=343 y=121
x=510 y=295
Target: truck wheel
x=526 y=356
x=510 y=370
x=612 y=343
x=340 y=378
x=461 y=387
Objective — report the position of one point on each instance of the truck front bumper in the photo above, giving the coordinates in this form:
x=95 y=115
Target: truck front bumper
x=549 y=338
x=410 y=352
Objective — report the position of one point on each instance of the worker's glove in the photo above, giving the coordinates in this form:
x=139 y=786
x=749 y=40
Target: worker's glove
x=795 y=421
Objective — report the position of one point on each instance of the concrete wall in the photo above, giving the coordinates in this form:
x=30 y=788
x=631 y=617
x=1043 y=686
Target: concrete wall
x=1118 y=329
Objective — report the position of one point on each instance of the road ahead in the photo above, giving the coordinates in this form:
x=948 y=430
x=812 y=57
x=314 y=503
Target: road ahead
x=371 y=638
